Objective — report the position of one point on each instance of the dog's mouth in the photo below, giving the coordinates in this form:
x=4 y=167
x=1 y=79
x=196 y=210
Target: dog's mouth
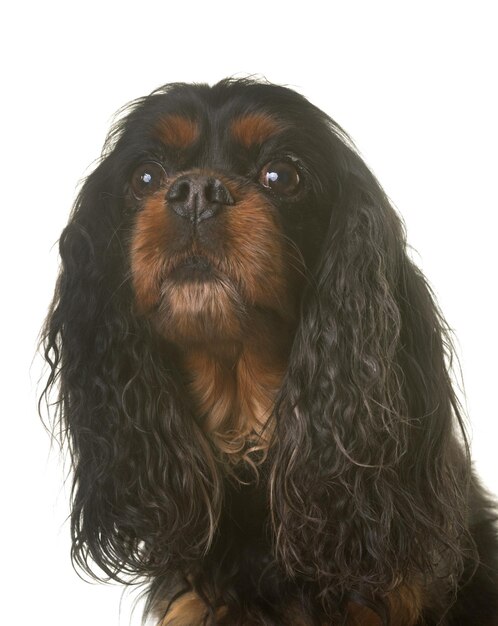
x=193 y=268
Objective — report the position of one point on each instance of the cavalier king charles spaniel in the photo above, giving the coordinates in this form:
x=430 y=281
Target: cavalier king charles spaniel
x=253 y=378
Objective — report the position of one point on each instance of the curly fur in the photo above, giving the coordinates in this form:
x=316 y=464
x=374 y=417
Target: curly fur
x=349 y=499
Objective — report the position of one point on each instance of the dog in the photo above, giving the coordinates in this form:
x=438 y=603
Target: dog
x=252 y=378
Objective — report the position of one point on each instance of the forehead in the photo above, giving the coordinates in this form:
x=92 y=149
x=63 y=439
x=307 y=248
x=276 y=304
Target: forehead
x=182 y=117
x=248 y=128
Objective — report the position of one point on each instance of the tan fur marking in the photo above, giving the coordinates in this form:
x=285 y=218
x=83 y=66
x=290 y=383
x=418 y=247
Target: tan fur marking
x=362 y=616
x=177 y=131
x=189 y=610
x=148 y=250
x=255 y=128
x=255 y=256
x=405 y=606
x=236 y=400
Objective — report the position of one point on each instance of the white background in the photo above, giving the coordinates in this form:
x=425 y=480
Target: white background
x=413 y=83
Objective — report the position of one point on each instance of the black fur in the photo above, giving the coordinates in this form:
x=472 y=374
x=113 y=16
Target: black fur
x=367 y=485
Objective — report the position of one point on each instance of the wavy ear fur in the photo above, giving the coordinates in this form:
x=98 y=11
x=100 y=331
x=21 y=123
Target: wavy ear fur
x=144 y=479
x=368 y=482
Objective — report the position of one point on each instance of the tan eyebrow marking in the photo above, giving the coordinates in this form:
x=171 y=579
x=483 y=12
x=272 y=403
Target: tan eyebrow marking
x=255 y=128
x=177 y=131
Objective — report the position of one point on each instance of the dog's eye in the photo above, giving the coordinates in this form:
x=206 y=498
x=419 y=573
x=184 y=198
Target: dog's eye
x=146 y=179
x=281 y=177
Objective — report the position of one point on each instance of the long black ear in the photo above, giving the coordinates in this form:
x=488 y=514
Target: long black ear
x=368 y=480
x=145 y=489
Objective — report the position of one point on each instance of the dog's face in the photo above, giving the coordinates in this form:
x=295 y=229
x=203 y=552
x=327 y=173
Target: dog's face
x=224 y=190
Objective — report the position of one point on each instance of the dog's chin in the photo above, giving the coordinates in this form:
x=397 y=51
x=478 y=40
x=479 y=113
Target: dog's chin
x=199 y=307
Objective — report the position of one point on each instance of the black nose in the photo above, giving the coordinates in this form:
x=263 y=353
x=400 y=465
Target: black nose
x=197 y=197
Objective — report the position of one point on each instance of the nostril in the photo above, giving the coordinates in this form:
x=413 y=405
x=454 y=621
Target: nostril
x=217 y=192
x=179 y=191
